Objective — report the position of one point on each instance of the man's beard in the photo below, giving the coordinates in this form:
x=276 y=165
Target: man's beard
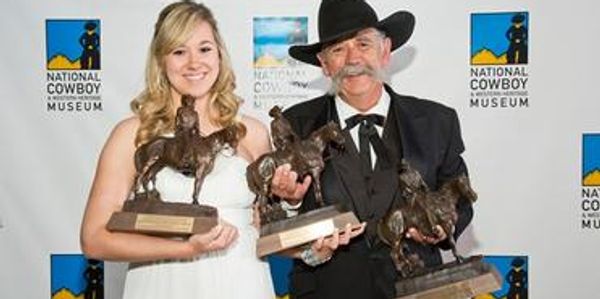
x=353 y=70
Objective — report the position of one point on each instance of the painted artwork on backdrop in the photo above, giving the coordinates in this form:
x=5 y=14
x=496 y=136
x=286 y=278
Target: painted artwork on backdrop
x=278 y=78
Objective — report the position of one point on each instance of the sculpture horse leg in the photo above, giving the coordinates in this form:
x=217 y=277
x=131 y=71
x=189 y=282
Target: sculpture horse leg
x=198 y=182
x=452 y=242
x=396 y=253
x=263 y=178
x=269 y=210
x=149 y=174
x=316 y=176
x=404 y=265
x=143 y=176
x=263 y=208
x=407 y=263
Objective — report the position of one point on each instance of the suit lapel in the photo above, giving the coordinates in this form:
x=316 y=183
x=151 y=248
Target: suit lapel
x=411 y=126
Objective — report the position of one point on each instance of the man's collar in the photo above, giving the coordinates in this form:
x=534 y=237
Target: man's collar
x=345 y=111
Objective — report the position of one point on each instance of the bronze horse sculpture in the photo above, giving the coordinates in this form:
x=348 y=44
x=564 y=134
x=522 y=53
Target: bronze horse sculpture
x=424 y=210
x=187 y=152
x=304 y=156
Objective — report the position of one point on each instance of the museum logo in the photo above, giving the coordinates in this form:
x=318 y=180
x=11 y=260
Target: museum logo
x=73 y=52
x=514 y=271
x=499 y=58
x=590 y=182
x=74 y=276
x=278 y=78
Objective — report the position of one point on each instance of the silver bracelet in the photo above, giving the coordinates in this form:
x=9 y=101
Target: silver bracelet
x=309 y=257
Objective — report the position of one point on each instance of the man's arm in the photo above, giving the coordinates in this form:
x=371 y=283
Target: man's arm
x=452 y=166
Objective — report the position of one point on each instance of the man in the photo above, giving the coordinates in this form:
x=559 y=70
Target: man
x=517 y=36
x=381 y=127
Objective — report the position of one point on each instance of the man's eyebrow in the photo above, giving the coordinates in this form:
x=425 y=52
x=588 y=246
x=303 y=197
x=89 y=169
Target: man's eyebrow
x=368 y=37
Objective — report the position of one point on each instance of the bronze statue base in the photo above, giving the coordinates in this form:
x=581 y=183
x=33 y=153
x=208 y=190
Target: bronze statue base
x=295 y=231
x=451 y=281
x=168 y=219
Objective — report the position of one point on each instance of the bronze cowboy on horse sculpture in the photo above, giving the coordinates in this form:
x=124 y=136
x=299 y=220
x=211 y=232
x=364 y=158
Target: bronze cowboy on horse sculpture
x=424 y=210
x=304 y=156
x=187 y=152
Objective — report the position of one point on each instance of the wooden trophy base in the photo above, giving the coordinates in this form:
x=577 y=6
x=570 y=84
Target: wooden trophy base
x=168 y=219
x=291 y=232
x=451 y=281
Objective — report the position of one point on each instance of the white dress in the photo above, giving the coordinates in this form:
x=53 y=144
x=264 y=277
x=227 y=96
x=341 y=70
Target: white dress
x=232 y=273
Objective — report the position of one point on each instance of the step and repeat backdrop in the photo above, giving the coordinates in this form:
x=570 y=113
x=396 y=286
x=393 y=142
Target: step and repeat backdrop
x=529 y=114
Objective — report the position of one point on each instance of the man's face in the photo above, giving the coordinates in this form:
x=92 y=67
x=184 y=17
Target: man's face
x=356 y=63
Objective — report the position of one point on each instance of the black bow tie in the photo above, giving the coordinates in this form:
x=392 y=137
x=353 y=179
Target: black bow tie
x=368 y=134
x=373 y=119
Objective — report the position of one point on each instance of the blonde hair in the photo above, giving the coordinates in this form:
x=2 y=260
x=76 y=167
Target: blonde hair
x=154 y=105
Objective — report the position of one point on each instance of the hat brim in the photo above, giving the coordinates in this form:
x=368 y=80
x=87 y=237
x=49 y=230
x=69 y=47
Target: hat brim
x=398 y=27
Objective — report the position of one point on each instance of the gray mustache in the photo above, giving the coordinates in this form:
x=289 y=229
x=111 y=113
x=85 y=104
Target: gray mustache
x=354 y=70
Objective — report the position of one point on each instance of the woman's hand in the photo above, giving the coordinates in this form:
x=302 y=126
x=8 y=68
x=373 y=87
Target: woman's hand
x=219 y=237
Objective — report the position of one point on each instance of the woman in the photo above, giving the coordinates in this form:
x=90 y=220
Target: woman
x=187 y=56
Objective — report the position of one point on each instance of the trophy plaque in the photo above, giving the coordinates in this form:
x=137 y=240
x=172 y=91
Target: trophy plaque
x=163 y=218
x=295 y=231
x=306 y=158
x=429 y=211
x=188 y=153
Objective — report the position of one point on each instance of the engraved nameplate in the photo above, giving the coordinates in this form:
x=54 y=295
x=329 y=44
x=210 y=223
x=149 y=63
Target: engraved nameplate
x=163 y=223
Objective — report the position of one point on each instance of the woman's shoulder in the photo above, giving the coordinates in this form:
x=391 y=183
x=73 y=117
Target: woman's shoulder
x=257 y=139
x=253 y=124
x=127 y=126
x=125 y=130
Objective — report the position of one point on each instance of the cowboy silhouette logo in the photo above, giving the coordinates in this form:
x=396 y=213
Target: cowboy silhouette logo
x=499 y=38
x=591 y=160
x=515 y=275
x=75 y=276
x=73 y=44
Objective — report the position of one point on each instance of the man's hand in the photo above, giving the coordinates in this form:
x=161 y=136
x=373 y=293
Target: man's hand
x=285 y=185
x=416 y=235
x=324 y=247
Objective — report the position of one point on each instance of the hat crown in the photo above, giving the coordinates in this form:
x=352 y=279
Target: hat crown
x=341 y=19
x=339 y=16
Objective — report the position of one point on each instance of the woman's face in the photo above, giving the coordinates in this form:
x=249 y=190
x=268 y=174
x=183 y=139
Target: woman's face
x=193 y=67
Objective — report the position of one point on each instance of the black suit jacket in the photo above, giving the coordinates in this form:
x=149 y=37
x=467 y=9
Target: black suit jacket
x=425 y=133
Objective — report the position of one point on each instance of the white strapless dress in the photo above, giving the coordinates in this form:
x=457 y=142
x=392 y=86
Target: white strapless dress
x=232 y=273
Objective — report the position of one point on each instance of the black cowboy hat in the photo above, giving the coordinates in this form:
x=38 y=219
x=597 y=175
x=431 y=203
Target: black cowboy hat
x=518 y=18
x=90 y=25
x=341 y=19
x=517 y=262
